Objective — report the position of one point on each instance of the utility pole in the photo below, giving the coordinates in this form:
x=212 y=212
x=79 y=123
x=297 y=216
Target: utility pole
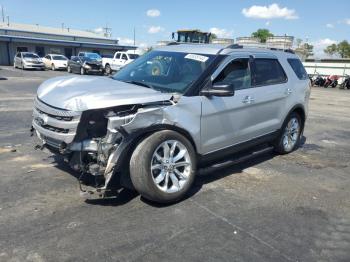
x=107 y=31
x=134 y=38
x=8 y=20
x=3 y=14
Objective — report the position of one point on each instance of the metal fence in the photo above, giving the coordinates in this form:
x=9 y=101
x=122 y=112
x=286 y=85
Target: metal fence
x=327 y=68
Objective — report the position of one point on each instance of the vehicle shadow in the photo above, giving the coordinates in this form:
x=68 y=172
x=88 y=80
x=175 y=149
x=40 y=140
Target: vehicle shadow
x=217 y=172
x=204 y=176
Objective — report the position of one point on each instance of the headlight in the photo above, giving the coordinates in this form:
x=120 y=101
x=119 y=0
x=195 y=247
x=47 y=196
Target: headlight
x=86 y=66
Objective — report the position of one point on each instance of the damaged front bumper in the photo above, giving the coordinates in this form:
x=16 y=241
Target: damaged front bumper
x=104 y=157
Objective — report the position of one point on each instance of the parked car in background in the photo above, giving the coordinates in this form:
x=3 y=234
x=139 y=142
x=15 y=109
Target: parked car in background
x=28 y=60
x=85 y=63
x=118 y=61
x=54 y=61
x=174 y=109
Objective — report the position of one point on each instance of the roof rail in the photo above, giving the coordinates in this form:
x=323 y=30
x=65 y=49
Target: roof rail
x=173 y=43
x=284 y=50
x=234 y=46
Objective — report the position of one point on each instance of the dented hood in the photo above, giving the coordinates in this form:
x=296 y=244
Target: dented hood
x=80 y=93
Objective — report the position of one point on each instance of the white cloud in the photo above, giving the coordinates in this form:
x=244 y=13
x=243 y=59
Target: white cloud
x=129 y=41
x=155 y=29
x=269 y=12
x=153 y=12
x=320 y=45
x=221 y=32
x=267 y=23
x=347 y=21
x=329 y=25
x=125 y=41
x=98 y=30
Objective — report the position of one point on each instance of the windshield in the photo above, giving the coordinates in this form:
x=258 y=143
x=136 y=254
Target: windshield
x=29 y=55
x=59 y=57
x=93 y=56
x=133 y=56
x=165 y=71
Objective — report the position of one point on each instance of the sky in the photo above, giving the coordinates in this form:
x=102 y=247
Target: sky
x=315 y=21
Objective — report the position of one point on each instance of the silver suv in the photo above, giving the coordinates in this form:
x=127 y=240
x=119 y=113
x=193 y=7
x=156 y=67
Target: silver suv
x=175 y=109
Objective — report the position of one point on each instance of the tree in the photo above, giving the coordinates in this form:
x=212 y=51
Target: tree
x=309 y=49
x=304 y=50
x=299 y=41
x=342 y=49
x=262 y=34
x=212 y=36
x=331 y=49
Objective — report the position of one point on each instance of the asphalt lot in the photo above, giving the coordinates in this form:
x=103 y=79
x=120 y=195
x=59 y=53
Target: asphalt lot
x=294 y=207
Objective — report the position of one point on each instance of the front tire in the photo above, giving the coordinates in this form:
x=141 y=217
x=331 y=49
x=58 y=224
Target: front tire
x=291 y=131
x=163 y=167
x=53 y=68
x=108 y=69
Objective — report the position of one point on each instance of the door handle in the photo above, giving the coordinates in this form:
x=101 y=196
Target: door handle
x=248 y=100
x=288 y=91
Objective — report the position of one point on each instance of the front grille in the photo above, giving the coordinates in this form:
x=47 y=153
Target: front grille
x=94 y=66
x=64 y=118
x=55 y=124
x=56 y=129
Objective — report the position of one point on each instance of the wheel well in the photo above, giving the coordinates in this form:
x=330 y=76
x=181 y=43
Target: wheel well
x=124 y=174
x=300 y=111
x=151 y=130
x=107 y=64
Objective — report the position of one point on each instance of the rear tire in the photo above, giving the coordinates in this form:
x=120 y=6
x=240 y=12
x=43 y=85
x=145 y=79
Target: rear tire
x=291 y=131
x=163 y=167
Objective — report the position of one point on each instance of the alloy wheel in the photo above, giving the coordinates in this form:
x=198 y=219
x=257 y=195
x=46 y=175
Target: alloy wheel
x=291 y=134
x=171 y=166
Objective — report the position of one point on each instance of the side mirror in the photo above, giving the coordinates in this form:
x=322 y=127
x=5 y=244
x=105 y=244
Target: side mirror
x=219 y=90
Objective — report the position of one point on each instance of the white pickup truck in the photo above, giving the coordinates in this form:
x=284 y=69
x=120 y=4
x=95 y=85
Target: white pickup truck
x=116 y=62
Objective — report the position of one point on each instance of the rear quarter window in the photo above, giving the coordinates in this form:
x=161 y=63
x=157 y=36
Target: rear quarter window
x=298 y=68
x=268 y=72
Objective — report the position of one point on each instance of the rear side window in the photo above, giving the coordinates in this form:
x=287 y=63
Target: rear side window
x=298 y=68
x=268 y=72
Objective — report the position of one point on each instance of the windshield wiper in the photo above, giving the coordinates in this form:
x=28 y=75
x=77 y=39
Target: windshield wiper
x=140 y=84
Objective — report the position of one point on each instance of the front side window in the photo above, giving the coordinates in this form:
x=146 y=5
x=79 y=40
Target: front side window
x=236 y=73
x=268 y=72
x=117 y=56
x=165 y=71
x=124 y=57
x=298 y=68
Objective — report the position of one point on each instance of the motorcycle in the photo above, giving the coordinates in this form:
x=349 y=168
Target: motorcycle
x=346 y=83
x=331 y=81
x=318 y=80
